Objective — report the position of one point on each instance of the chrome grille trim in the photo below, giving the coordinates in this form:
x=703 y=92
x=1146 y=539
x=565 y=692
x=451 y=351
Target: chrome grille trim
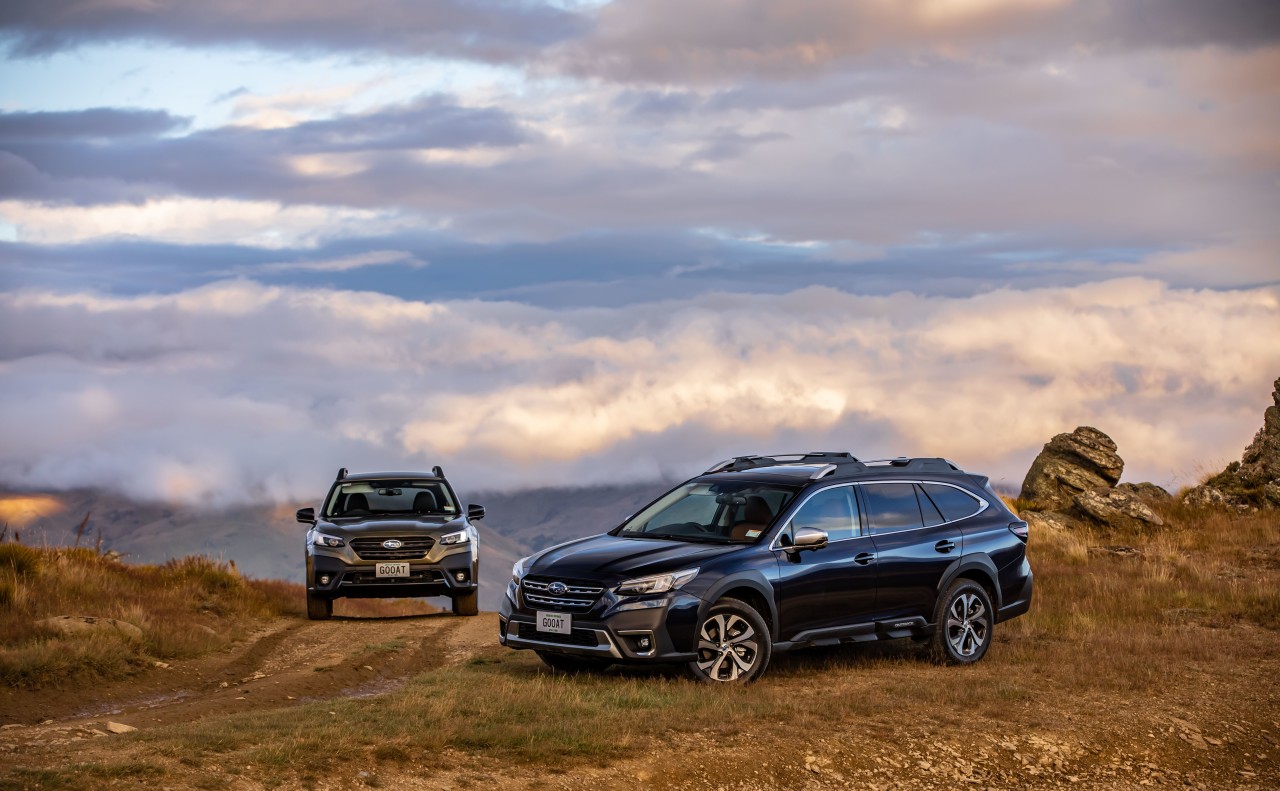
x=412 y=547
x=586 y=590
x=534 y=598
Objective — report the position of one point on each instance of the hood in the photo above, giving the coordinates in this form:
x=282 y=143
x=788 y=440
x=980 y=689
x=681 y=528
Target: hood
x=390 y=526
x=607 y=558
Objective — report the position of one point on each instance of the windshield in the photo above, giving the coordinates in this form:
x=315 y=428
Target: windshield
x=399 y=497
x=723 y=512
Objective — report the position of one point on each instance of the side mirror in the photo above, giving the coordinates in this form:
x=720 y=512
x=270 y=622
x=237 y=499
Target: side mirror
x=307 y=515
x=475 y=512
x=807 y=538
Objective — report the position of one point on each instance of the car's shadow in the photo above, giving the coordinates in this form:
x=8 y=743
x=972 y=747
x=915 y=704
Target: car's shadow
x=801 y=662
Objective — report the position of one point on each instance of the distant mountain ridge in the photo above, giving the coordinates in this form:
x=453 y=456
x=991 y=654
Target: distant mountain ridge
x=265 y=541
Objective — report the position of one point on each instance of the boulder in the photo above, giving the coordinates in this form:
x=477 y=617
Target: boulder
x=75 y=625
x=1148 y=493
x=120 y=727
x=1254 y=481
x=1070 y=464
x=1116 y=508
x=1052 y=520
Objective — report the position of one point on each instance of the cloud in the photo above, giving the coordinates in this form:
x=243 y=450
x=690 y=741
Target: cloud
x=191 y=221
x=238 y=391
x=673 y=42
x=343 y=264
x=97 y=123
x=488 y=30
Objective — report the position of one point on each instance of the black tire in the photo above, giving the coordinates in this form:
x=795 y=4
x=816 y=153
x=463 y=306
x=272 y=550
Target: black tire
x=964 y=624
x=569 y=663
x=319 y=608
x=466 y=604
x=734 y=644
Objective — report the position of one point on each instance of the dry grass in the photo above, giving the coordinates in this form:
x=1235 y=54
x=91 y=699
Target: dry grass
x=184 y=608
x=1105 y=631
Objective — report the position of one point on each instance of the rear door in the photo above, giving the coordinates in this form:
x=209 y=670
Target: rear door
x=828 y=589
x=913 y=548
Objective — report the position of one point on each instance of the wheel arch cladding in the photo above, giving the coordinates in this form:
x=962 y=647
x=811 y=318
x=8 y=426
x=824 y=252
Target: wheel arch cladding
x=755 y=593
x=978 y=568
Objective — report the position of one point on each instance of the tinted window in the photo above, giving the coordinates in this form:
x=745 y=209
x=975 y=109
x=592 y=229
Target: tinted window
x=892 y=506
x=832 y=511
x=932 y=516
x=953 y=503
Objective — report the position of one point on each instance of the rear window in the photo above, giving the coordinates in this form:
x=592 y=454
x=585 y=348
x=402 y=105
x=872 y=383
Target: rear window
x=892 y=507
x=952 y=502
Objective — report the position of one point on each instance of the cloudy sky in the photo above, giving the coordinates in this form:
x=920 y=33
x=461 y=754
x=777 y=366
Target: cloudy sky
x=242 y=244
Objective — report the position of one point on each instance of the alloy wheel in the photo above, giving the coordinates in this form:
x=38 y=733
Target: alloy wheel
x=967 y=624
x=727 y=647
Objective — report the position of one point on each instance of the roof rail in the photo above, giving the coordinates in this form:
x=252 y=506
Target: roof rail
x=923 y=464
x=437 y=471
x=342 y=474
x=831 y=458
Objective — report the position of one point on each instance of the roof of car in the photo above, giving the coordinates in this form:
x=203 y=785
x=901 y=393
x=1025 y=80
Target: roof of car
x=826 y=467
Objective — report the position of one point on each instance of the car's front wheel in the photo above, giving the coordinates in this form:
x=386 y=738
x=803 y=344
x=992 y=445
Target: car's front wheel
x=734 y=643
x=965 y=622
x=319 y=608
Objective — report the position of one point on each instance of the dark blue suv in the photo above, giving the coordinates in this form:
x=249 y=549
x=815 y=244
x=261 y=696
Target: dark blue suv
x=768 y=553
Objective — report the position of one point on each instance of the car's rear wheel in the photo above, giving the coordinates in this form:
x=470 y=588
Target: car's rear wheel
x=965 y=624
x=734 y=643
x=568 y=663
x=319 y=608
x=467 y=604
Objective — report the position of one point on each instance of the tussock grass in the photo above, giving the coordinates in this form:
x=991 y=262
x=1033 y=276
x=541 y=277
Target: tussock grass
x=1102 y=627
x=184 y=608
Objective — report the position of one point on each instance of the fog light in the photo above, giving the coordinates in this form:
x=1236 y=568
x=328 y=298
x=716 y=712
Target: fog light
x=324 y=579
x=461 y=576
x=643 y=644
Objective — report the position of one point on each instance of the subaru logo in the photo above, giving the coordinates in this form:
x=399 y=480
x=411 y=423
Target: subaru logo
x=392 y=543
x=557 y=589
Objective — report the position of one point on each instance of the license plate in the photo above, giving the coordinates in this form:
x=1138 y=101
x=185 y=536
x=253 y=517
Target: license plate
x=392 y=570
x=558 y=622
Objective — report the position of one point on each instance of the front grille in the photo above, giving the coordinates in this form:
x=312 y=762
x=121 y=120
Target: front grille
x=371 y=578
x=412 y=548
x=579 y=595
x=580 y=637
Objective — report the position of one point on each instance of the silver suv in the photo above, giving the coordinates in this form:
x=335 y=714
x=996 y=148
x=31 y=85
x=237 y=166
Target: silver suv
x=391 y=535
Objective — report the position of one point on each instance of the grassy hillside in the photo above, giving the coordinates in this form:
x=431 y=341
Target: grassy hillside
x=1145 y=657
x=182 y=608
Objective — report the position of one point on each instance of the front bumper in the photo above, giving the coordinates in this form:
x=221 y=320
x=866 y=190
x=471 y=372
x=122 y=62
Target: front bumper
x=613 y=629
x=359 y=581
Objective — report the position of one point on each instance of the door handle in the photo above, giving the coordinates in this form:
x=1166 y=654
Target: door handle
x=944 y=546
x=863 y=558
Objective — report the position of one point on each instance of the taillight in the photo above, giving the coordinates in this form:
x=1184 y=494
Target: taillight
x=1020 y=529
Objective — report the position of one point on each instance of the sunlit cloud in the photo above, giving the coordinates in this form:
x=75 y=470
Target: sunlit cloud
x=172 y=395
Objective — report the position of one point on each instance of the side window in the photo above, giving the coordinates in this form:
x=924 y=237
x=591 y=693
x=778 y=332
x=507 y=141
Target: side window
x=892 y=507
x=932 y=516
x=832 y=510
x=952 y=502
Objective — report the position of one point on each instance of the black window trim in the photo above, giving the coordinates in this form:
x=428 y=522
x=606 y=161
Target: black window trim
x=982 y=501
x=864 y=519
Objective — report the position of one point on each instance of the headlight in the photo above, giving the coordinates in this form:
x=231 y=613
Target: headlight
x=659 y=583
x=321 y=540
x=460 y=537
x=517 y=571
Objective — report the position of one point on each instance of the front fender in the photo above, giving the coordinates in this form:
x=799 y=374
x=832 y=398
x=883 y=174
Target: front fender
x=752 y=580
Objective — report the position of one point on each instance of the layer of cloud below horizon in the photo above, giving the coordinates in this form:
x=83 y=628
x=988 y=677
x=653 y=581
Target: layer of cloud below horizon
x=239 y=391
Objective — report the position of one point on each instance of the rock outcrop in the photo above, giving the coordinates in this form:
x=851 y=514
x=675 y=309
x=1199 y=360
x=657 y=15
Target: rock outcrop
x=1081 y=461
x=74 y=625
x=1254 y=481
x=1076 y=477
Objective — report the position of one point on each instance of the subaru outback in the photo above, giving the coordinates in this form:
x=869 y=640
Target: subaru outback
x=391 y=535
x=763 y=554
